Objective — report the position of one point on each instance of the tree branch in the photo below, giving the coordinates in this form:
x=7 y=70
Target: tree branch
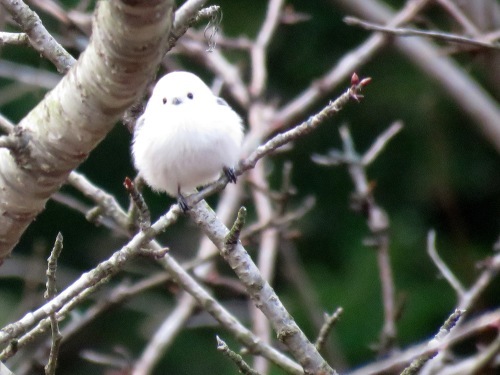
x=128 y=41
x=38 y=36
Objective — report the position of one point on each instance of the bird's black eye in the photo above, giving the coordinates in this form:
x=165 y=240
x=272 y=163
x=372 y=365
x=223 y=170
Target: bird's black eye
x=190 y=95
x=164 y=100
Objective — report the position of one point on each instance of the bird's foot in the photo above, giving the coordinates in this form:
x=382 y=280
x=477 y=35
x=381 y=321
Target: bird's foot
x=229 y=172
x=182 y=201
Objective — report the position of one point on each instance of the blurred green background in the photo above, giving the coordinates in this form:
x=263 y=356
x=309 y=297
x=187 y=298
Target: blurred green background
x=439 y=172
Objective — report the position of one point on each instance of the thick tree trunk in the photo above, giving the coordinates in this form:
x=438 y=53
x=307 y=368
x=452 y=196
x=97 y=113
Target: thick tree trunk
x=128 y=41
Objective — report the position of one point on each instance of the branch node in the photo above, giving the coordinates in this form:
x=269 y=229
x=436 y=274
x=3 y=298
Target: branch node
x=18 y=144
x=155 y=253
x=94 y=215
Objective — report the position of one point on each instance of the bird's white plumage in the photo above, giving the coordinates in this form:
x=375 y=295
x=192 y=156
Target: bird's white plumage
x=186 y=135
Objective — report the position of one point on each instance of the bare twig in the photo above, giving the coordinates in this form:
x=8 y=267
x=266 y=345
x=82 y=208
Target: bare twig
x=217 y=63
x=243 y=367
x=105 y=269
x=476 y=103
x=242 y=334
x=267 y=252
x=459 y=334
x=29 y=76
x=353 y=21
x=470 y=296
x=280 y=222
x=448 y=325
x=258 y=51
x=377 y=219
x=184 y=14
x=330 y=321
x=263 y=295
x=419 y=362
x=452 y=8
x=476 y=364
x=5 y=124
x=50 y=293
x=380 y=143
x=443 y=268
x=351 y=61
x=106 y=201
x=13 y=38
x=39 y=37
x=283 y=138
x=140 y=204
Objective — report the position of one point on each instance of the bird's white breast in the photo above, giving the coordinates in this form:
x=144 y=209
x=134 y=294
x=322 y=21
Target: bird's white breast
x=186 y=146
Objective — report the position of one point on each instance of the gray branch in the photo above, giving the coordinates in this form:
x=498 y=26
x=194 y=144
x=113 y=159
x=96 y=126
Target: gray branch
x=128 y=41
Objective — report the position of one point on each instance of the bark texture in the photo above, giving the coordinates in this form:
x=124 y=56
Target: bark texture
x=128 y=41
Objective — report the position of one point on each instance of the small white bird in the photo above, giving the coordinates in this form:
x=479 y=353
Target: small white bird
x=186 y=137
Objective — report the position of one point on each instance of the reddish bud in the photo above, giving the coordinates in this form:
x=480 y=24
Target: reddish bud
x=354 y=79
x=365 y=81
x=129 y=185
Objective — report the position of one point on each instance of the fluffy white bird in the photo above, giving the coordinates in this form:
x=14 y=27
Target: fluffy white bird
x=186 y=137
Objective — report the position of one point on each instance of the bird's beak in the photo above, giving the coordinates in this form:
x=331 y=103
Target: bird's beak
x=176 y=101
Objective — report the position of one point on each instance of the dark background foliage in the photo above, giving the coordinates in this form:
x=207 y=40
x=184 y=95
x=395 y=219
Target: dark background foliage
x=440 y=172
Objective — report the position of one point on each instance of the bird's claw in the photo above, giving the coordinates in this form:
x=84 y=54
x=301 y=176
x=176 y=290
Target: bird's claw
x=183 y=204
x=229 y=172
x=182 y=201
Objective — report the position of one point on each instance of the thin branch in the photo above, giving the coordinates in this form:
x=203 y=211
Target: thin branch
x=282 y=139
x=5 y=124
x=330 y=321
x=29 y=76
x=404 y=357
x=217 y=63
x=476 y=103
x=445 y=329
x=140 y=204
x=259 y=50
x=13 y=39
x=163 y=336
x=376 y=217
x=50 y=368
x=45 y=323
x=471 y=295
x=243 y=367
x=106 y=201
x=39 y=37
x=459 y=16
x=241 y=333
x=448 y=325
x=380 y=143
x=266 y=261
x=105 y=269
x=476 y=364
x=443 y=268
x=262 y=294
x=280 y=222
x=351 y=61
x=352 y=21
x=184 y=14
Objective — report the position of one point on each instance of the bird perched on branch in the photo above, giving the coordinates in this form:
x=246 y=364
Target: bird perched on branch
x=186 y=137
